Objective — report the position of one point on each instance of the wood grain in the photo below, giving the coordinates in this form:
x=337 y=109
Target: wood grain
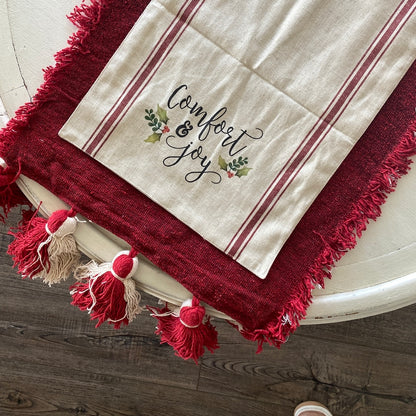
x=54 y=362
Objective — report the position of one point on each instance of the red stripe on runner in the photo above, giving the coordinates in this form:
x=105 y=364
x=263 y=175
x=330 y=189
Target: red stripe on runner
x=131 y=81
x=253 y=222
x=318 y=120
x=139 y=91
x=314 y=126
x=309 y=156
x=316 y=123
x=145 y=73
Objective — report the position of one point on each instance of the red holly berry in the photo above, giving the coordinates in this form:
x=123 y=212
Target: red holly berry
x=230 y=174
x=166 y=129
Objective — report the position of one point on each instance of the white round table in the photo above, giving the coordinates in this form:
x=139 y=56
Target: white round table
x=379 y=275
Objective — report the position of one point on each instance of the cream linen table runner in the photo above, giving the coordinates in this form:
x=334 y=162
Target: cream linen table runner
x=233 y=115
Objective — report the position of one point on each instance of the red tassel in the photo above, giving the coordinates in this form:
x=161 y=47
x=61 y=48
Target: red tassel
x=107 y=291
x=10 y=194
x=185 y=330
x=46 y=248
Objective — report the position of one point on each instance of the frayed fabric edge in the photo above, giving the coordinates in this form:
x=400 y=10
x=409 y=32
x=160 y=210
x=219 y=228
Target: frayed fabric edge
x=85 y=18
x=345 y=238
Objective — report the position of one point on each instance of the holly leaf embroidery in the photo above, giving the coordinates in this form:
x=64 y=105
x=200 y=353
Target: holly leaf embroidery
x=163 y=117
x=153 y=138
x=243 y=172
x=222 y=163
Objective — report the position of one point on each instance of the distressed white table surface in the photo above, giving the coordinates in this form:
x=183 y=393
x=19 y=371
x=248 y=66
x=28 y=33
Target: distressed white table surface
x=379 y=275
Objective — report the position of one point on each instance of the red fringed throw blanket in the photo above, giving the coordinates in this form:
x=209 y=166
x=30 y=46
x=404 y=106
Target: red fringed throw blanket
x=267 y=310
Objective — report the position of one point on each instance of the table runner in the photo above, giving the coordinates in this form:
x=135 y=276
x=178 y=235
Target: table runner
x=235 y=131
x=266 y=310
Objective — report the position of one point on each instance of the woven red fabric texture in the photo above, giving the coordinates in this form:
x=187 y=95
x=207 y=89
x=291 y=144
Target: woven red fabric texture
x=92 y=190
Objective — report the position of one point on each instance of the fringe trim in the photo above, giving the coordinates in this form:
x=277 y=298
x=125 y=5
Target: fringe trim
x=85 y=18
x=10 y=194
x=344 y=239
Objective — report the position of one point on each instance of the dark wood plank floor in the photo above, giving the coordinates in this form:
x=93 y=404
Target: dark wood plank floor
x=54 y=362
